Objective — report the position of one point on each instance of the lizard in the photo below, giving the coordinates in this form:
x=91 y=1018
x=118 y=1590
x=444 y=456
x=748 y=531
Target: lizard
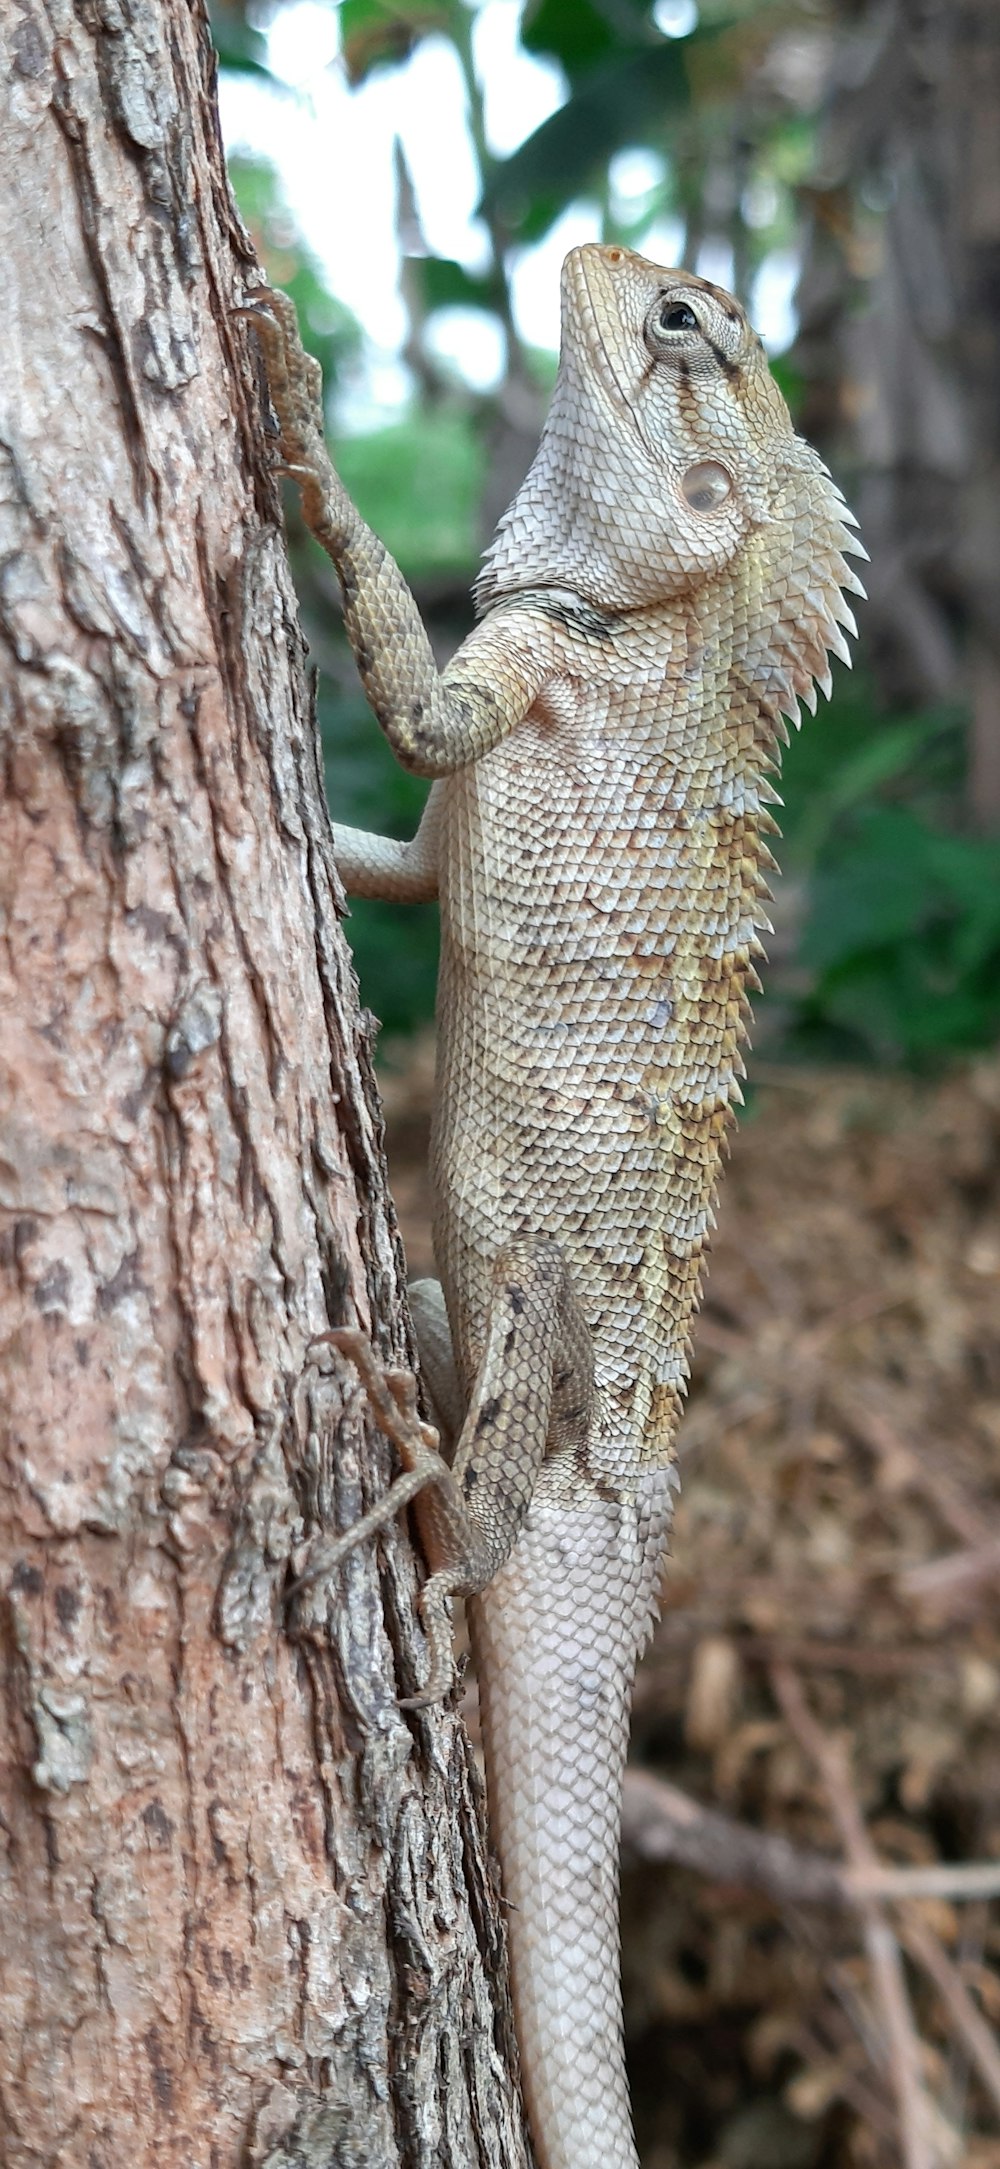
x=666 y=586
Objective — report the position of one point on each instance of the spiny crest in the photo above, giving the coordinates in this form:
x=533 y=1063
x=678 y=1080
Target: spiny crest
x=813 y=612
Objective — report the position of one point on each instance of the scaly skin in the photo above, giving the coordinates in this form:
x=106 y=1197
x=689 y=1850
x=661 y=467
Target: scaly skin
x=665 y=585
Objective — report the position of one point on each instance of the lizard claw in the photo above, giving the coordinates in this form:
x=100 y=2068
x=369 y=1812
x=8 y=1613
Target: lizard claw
x=295 y=388
x=436 y=1617
x=256 y=303
x=392 y=1398
x=391 y=1390
x=391 y=1393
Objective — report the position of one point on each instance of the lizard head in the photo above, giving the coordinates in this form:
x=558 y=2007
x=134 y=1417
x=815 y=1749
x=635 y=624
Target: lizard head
x=668 y=446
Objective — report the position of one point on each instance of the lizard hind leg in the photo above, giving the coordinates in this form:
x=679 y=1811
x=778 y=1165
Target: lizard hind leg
x=532 y=1396
x=437 y=1360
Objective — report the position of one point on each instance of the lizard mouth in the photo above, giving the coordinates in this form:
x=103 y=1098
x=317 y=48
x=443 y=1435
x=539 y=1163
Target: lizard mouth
x=593 y=293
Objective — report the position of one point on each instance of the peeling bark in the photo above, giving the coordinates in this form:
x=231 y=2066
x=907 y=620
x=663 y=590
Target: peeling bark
x=246 y=1915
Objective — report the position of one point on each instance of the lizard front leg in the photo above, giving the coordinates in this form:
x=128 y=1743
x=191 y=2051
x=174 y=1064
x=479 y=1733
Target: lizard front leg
x=379 y=866
x=434 y=721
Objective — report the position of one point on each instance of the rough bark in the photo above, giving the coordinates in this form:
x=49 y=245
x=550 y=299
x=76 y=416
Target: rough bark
x=900 y=306
x=245 y=1912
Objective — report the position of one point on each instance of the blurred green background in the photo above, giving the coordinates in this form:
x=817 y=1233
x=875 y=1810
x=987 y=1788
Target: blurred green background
x=846 y=151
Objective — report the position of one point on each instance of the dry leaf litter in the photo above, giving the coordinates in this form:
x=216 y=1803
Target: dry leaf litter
x=823 y=1693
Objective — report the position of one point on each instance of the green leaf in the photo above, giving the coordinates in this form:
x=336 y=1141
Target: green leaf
x=629 y=100
x=380 y=33
x=242 y=50
x=529 y=219
x=419 y=484
x=579 y=33
x=887 y=753
x=876 y=892
x=445 y=284
x=904 y=938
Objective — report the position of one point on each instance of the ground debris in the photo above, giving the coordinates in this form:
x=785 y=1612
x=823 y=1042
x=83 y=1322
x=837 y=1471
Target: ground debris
x=827 y=1669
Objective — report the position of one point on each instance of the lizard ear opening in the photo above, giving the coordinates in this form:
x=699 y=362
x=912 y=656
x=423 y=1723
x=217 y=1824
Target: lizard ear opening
x=706 y=486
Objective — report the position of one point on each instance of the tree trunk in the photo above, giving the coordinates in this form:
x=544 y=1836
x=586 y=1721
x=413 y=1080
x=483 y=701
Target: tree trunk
x=246 y=1916
x=900 y=343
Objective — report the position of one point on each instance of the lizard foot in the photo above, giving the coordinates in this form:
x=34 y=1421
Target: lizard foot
x=392 y=1398
x=295 y=388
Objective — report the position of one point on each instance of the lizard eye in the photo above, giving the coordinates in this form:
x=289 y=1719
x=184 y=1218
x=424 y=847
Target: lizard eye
x=669 y=325
x=678 y=317
x=706 y=486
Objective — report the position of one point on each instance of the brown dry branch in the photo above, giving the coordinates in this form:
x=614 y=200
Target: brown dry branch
x=907 y=1467
x=916 y=2119
x=660 y=1822
x=956 y=1576
x=925 y=1947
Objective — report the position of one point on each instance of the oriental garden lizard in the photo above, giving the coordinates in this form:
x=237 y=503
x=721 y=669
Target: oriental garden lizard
x=664 y=588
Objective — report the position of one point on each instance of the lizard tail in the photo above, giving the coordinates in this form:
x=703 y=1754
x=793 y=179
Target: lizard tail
x=556 y=1634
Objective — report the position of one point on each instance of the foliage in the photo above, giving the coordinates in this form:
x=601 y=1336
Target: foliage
x=240 y=46
x=419 y=485
x=630 y=99
x=899 y=953
x=395 y=945
x=903 y=936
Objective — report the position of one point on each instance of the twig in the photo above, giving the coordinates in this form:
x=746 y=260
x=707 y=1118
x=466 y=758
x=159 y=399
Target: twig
x=963 y=1516
x=978 y=2037
x=916 y=2121
x=955 y=1574
x=872 y=1304
x=869 y=2106
x=968 y=1879
x=660 y=1822
x=877 y=1659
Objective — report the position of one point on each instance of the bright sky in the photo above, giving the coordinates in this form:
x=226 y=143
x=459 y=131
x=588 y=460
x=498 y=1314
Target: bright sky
x=333 y=148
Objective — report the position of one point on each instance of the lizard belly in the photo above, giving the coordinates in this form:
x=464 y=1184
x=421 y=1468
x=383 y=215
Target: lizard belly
x=588 y=1050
